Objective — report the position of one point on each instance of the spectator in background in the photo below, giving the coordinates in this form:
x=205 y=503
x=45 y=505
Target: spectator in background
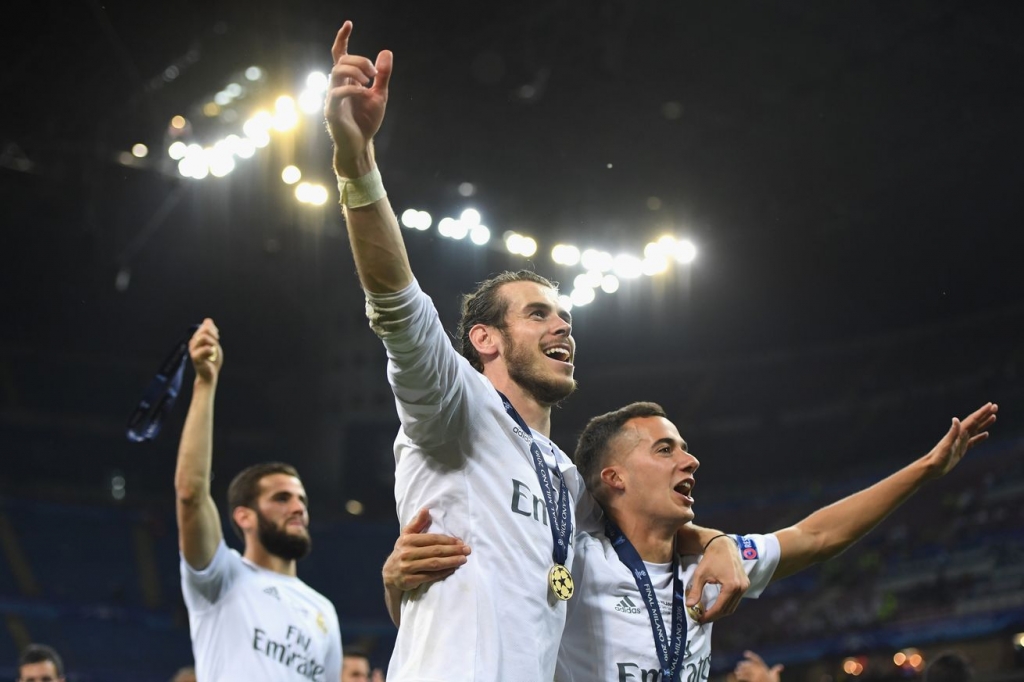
x=754 y=669
x=949 y=667
x=355 y=665
x=185 y=674
x=40 y=663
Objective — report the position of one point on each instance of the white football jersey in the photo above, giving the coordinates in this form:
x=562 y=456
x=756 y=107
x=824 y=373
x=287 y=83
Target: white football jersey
x=608 y=635
x=249 y=624
x=460 y=455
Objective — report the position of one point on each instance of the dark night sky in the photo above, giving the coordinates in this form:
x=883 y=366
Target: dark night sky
x=850 y=173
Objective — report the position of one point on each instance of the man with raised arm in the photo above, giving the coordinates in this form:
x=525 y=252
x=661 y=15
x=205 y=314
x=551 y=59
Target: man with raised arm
x=473 y=445
x=250 y=617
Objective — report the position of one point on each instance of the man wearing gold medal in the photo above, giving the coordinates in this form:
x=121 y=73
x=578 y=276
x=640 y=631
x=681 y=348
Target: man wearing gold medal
x=627 y=619
x=473 y=445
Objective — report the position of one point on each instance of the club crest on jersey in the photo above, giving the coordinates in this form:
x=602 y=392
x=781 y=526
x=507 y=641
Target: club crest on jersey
x=748 y=550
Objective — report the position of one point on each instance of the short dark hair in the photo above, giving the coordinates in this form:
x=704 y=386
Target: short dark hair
x=592 y=447
x=486 y=305
x=244 y=490
x=41 y=653
x=949 y=666
x=355 y=652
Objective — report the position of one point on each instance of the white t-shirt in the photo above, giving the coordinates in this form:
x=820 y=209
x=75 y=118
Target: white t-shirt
x=249 y=624
x=461 y=456
x=608 y=635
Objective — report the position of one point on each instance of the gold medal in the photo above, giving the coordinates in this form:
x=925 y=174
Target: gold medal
x=560 y=581
x=696 y=611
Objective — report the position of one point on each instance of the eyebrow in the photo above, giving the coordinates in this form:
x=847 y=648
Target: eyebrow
x=670 y=441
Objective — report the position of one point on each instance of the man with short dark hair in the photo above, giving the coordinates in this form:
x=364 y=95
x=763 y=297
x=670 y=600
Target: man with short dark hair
x=40 y=663
x=474 y=441
x=250 y=617
x=355 y=666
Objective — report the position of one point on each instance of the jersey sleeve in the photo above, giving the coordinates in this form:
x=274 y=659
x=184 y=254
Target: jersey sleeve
x=425 y=371
x=760 y=555
x=202 y=589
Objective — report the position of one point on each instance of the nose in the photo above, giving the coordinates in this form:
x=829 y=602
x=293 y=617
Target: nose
x=690 y=463
x=563 y=328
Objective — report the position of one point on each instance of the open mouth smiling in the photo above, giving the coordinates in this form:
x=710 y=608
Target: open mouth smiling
x=560 y=353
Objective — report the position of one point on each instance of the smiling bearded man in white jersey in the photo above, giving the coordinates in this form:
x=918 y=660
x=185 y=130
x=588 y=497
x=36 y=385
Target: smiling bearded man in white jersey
x=250 y=617
x=473 y=442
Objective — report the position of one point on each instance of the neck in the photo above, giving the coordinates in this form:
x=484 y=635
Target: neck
x=536 y=415
x=654 y=542
x=257 y=554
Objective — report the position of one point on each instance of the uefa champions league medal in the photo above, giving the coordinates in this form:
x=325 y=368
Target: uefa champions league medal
x=560 y=581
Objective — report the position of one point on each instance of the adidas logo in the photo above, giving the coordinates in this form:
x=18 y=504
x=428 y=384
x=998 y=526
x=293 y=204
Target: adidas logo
x=272 y=591
x=626 y=605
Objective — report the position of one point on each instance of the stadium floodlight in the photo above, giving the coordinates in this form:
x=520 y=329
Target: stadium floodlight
x=444 y=227
x=529 y=246
x=291 y=175
x=627 y=266
x=581 y=296
x=480 y=235
x=609 y=284
x=318 y=195
x=685 y=251
x=177 y=150
x=311 y=101
x=654 y=265
x=565 y=254
x=460 y=229
x=140 y=151
x=254 y=73
x=317 y=82
x=592 y=259
x=565 y=302
x=234 y=90
x=470 y=217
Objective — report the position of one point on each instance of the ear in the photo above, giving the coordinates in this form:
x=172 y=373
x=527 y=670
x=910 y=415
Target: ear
x=613 y=477
x=245 y=518
x=486 y=340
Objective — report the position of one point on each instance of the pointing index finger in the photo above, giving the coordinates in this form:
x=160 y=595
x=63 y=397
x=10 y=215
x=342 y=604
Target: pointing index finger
x=340 y=47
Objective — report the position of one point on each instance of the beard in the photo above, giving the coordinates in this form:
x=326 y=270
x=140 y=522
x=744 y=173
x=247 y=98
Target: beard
x=280 y=542
x=523 y=369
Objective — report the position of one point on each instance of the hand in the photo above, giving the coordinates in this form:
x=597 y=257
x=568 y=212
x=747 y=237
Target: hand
x=205 y=351
x=720 y=565
x=420 y=557
x=354 y=111
x=960 y=438
x=754 y=669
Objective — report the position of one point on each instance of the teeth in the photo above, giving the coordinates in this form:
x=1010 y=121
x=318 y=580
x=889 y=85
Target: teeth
x=559 y=352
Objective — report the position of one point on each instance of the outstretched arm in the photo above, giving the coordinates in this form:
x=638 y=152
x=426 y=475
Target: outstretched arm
x=419 y=558
x=354 y=111
x=830 y=530
x=199 y=531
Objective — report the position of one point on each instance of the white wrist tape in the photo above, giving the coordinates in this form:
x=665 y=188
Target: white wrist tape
x=362 y=191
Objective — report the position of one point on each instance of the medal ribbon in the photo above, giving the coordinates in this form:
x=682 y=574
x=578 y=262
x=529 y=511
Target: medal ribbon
x=670 y=654
x=157 y=401
x=558 y=513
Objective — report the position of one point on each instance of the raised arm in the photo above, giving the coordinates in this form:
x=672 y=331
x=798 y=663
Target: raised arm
x=830 y=530
x=354 y=111
x=199 y=530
